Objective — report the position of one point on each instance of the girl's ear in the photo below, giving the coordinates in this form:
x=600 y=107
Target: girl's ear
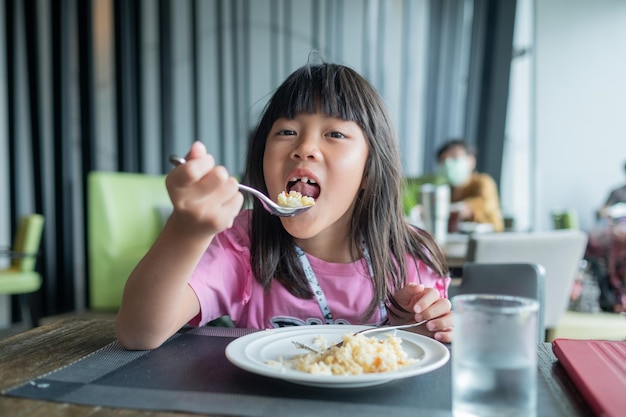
x=364 y=181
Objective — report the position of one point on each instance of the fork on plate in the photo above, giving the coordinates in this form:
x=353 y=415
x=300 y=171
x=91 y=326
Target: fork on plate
x=364 y=331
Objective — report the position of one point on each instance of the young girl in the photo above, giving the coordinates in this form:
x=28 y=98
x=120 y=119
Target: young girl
x=350 y=259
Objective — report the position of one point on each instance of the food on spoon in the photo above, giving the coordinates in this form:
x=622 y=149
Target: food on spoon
x=294 y=199
x=359 y=354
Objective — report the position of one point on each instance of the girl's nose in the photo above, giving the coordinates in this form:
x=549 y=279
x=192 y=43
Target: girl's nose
x=307 y=148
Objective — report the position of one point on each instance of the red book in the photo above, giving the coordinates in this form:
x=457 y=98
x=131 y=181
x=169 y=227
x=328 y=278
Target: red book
x=598 y=369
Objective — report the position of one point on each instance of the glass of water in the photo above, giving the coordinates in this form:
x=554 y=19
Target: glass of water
x=494 y=356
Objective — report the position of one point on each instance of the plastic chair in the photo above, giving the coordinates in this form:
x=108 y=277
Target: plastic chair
x=20 y=278
x=558 y=251
x=125 y=215
x=521 y=280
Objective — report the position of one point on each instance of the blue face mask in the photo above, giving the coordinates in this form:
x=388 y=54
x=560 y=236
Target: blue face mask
x=456 y=170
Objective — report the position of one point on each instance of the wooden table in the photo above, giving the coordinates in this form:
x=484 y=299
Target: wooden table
x=28 y=355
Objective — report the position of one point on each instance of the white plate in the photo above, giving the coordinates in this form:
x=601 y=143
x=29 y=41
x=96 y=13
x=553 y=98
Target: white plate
x=252 y=353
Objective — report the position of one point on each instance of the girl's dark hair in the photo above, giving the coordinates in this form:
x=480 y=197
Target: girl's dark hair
x=469 y=149
x=340 y=92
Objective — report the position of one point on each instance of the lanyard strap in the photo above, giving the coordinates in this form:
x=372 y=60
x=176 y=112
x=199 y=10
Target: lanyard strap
x=366 y=255
x=317 y=289
x=315 y=286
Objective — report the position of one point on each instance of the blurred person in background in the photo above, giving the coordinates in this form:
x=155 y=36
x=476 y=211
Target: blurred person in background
x=615 y=205
x=474 y=195
x=606 y=251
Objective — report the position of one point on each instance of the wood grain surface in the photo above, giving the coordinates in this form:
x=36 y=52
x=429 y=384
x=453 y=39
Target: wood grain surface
x=28 y=355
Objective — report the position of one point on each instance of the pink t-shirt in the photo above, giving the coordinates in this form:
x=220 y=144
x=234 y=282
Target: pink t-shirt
x=225 y=285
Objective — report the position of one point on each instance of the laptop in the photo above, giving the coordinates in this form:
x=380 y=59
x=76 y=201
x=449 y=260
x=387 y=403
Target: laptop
x=598 y=369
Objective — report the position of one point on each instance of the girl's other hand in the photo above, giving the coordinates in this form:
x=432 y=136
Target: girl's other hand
x=425 y=304
x=205 y=197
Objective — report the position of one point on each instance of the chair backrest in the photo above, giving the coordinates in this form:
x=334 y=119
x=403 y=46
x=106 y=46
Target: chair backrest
x=565 y=219
x=27 y=241
x=124 y=218
x=558 y=251
x=516 y=279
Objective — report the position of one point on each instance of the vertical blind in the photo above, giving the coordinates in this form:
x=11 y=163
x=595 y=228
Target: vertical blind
x=117 y=85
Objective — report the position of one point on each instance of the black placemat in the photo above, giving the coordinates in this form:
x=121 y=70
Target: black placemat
x=190 y=373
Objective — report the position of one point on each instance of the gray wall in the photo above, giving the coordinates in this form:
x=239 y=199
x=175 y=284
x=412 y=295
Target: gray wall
x=580 y=105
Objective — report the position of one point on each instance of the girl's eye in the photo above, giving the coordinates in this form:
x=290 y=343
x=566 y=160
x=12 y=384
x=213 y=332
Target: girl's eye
x=337 y=135
x=286 y=132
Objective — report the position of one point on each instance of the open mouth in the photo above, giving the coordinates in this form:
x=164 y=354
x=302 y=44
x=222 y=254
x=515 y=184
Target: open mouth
x=304 y=186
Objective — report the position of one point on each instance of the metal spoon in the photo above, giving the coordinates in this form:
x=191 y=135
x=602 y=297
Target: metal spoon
x=268 y=204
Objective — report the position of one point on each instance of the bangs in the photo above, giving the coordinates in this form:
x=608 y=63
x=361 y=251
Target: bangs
x=330 y=89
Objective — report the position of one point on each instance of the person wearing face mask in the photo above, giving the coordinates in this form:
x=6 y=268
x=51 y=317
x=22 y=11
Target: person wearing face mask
x=474 y=196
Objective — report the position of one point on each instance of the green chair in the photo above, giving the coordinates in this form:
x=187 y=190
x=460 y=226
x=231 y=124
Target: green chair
x=20 y=278
x=565 y=219
x=125 y=215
